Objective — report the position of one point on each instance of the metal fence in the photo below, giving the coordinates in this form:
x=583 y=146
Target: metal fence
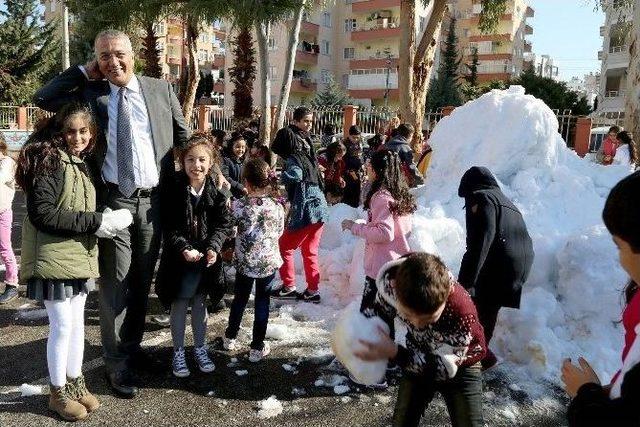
x=221 y=118
x=8 y=117
x=321 y=117
x=567 y=126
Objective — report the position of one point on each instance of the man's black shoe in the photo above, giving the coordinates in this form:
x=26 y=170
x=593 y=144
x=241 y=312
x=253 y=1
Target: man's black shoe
x=142 y=360
x=121 y=383
x=10 y=293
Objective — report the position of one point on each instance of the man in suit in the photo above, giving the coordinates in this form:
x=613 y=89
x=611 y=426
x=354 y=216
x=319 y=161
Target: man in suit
x=140 y=122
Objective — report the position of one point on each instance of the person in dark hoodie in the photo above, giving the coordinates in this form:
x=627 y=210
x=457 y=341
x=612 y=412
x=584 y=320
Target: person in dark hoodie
x=499 y=250
x=308 y=208
x=400 y=144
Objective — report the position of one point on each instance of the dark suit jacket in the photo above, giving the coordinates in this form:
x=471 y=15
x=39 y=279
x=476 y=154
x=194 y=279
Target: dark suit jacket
x=168 y=126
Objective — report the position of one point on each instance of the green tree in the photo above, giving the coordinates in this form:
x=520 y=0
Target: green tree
x=445 y=90
x=555 y=94
x=472 y=78
x=27 y=51
x=242 y=74
x=332 y=96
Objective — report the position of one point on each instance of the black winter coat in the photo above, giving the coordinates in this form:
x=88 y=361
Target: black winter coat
x=499 y=250
x=592 y=406
x=232 y=171
x=205 y=226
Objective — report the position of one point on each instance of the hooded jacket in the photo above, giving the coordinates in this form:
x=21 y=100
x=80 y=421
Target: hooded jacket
x=499 y=250
x=400 y=145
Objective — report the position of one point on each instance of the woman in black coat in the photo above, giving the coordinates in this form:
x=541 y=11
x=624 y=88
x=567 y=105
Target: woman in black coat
x=499 y=250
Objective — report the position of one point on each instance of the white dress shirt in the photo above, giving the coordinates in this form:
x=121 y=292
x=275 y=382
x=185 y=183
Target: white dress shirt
x=144 y=161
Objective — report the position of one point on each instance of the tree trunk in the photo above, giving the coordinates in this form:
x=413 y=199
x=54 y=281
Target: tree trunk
x=285 y=89
x=632 y=103
x=263 y=31
x=150 y=52
x=415 y=63
x=242 y=74
x=194 y=75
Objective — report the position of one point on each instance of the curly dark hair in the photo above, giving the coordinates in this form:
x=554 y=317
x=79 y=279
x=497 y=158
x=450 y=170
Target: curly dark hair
x=40 y=155
x=333 y=149
x=389 y=176
x=200 y=139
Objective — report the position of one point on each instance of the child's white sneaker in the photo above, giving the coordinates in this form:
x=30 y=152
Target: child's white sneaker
x=203 y=360
x=179 y=364
x=229 y=344
x=258 y=355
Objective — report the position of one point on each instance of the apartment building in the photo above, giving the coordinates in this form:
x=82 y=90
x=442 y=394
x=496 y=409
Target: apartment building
x=502 y=54
x=615 y=59
x=171 y=33
x=354 y=42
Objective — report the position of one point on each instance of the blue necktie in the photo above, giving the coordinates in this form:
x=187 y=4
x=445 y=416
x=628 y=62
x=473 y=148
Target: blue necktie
x=126 y=178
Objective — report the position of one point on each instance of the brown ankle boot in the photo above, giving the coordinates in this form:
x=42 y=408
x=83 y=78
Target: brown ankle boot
x=64 y=405
x=78 y=392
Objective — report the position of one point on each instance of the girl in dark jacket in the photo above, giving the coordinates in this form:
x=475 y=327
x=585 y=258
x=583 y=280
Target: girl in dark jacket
x=59 y=257
x=192 y=239
x=232 y=164
x=499 y=250
x=615 y=404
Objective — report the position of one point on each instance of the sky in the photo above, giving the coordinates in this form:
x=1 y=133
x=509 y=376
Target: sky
x=568 y=31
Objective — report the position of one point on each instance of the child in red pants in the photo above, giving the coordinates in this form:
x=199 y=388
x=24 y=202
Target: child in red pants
x=308 y=207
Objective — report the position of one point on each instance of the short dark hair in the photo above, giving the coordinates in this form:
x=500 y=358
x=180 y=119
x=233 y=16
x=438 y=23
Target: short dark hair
x=354 y=130
x=621 y=211
x=329 y=129
x=220 y=136
x=300 y=112
x=405 y=130
x=614 y=128
x=422 y=282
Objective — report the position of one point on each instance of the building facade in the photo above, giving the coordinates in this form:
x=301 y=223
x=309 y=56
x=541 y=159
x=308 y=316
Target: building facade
x=615 y=59
x=503 y=54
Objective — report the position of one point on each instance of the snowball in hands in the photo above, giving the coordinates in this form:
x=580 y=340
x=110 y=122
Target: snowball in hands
x=114 y=221
x=351 y=327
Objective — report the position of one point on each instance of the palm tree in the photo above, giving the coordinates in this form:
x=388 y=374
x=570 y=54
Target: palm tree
x=242 y=74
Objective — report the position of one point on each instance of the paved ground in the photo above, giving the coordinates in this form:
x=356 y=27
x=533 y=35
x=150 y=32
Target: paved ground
x=223 y=398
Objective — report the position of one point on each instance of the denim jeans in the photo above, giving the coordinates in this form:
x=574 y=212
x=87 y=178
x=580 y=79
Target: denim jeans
x=241 y=292
x=462 y=394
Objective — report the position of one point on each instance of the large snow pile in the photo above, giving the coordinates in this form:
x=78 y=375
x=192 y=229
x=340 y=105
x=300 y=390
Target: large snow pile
x=572 y=301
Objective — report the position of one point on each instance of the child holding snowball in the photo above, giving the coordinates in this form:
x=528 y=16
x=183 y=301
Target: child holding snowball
x=390 y=206
x=193 y=239
x=443 y=343
x=615 y=404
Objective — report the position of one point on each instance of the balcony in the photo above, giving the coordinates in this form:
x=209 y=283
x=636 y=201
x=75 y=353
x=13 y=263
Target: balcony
x=218 y=86
x=309 y=58
x=528 y=29
x=372 y=5
x=618 y=57
x=380 y=29
x=474 y=19
x=529 y=13
x=218 y=61
x=603 y=30
x=490 y=37
x=600 y=55
x=174 y=60
x=373 y=61
x=303 y=85
x=527 y=46
x=614 y=93
x=490 y=77
x=372 y=79
x=310 y=28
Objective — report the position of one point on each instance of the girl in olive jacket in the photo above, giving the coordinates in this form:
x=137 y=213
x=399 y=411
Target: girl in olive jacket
x=59 y=259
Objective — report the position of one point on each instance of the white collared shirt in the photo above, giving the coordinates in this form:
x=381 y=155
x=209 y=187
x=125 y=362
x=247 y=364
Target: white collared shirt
x=144 y=161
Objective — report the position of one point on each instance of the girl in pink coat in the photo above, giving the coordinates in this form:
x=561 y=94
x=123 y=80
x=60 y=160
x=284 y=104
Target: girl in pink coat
x=390 y=206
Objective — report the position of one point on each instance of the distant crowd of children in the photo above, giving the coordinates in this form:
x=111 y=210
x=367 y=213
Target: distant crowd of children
x=226 y=194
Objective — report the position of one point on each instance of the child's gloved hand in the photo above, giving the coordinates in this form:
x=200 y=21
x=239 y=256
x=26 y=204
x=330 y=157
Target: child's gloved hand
x=113 y=221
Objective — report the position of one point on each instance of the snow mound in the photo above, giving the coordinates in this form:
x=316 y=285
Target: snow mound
x=27 y=390
x=572 y=299
x=353 y=326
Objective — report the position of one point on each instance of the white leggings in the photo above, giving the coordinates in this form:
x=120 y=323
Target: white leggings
x=65 y=346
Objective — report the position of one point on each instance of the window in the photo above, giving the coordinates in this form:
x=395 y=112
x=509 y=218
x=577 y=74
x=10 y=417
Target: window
x=326 y=19
x=477 y=8
x=465 y=32
x=324 y=47
x=422 y=23
x=350 y=25
x=272 y=44
x=159 y=28
x=53 y=6
x=349 y=53
x=325 y=76
x=160 y=46
x=345 y=80
x=273 y=71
